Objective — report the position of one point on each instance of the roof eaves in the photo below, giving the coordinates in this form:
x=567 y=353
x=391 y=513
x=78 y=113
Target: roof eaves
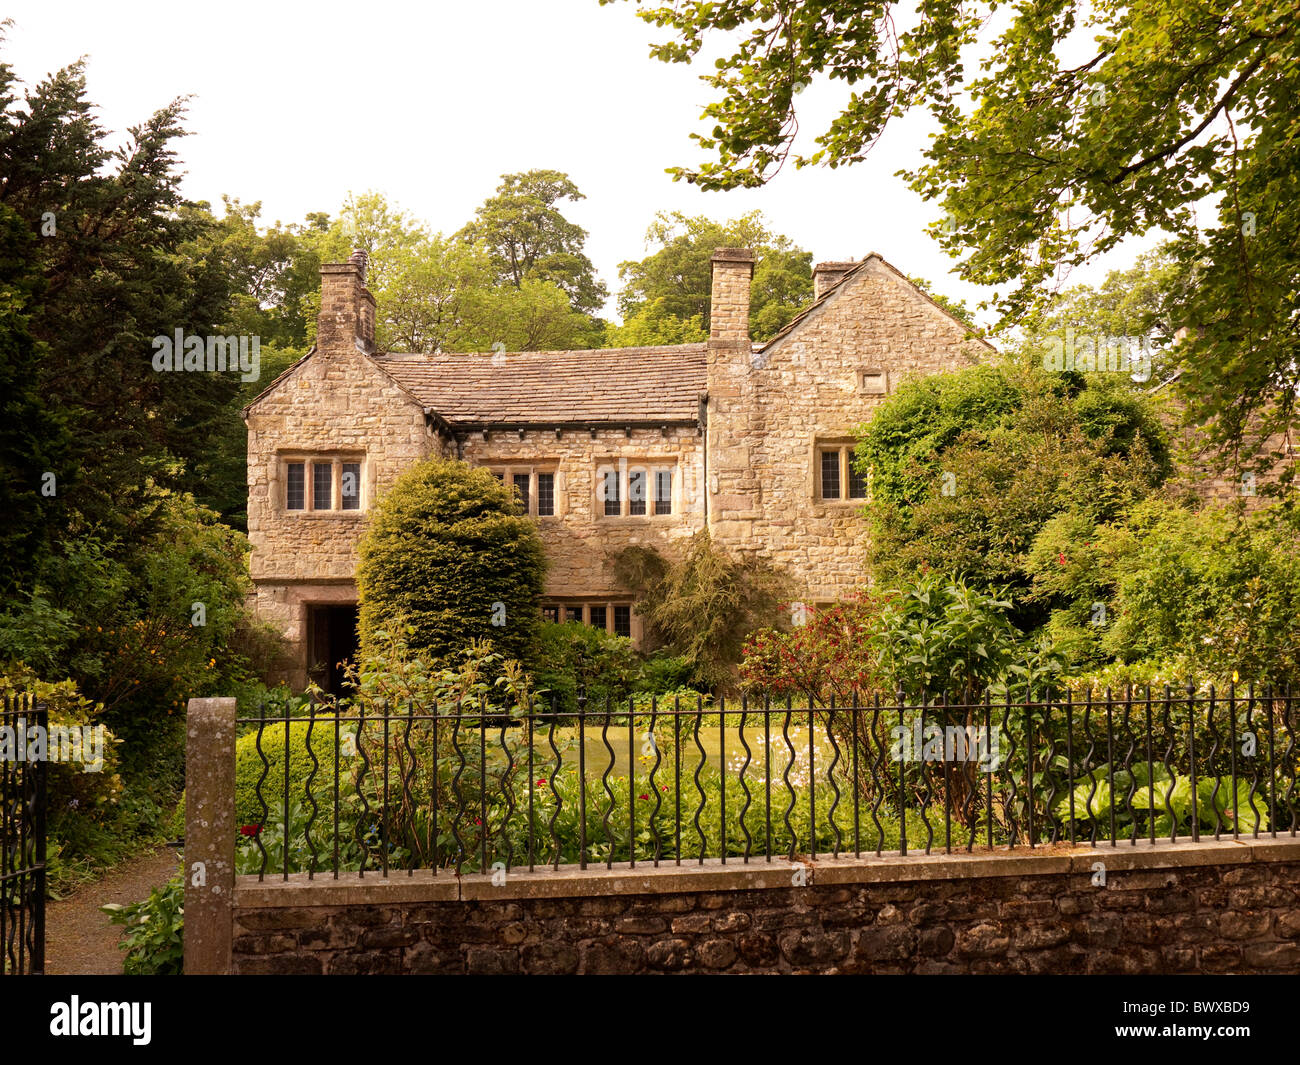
x=462 y=426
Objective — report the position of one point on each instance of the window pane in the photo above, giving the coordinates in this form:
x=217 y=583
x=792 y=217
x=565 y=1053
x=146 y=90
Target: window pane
x=546 y=493
x=830 y=475
x=663 y=491
x=499 y=475
x=636 y=492
x=857 y=482
x=351 y=486
x=623 y=621
x=322 y=486
x=613 y=501
x=599 y=618
x=295 y=486
x=551 y=613
x=573 y=613
x=521 y=486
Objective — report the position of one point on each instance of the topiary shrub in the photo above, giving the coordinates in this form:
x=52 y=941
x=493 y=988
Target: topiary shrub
x=249 y=765
x=449 y=555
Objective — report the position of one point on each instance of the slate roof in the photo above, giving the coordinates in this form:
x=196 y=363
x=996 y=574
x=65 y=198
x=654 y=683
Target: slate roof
x=608 y=385
x=605 y=386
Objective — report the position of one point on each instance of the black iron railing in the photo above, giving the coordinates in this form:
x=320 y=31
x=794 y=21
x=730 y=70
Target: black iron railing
x=22 y=835
x=469 y=789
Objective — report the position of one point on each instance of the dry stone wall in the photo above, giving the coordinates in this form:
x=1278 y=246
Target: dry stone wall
x=1220 y=913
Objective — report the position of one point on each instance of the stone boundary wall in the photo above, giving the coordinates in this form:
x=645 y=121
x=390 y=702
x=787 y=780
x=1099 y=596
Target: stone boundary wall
x=1211 y=907
x=1225 y=906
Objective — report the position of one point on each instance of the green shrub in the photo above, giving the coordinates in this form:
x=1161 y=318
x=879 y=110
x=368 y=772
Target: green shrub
x=664 y=671
x=249 y=765
x=306 y=838
x=572 y=654
x=153 y=941
x=966 y=471
x=448 y=553
x=1217 y=591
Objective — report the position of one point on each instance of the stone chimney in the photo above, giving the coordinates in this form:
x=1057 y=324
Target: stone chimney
x=827 y=275
x=733 y=270
x=347 y=308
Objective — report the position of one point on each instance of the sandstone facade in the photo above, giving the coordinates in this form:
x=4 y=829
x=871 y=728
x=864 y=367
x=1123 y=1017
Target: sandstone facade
x=632 y=446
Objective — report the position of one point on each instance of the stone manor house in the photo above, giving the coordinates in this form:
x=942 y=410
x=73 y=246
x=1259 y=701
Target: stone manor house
x=607 y=448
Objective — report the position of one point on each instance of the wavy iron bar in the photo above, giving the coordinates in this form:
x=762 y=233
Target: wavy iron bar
x=420 y=786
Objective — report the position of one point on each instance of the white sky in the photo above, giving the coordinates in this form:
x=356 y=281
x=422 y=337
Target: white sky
x=297 y=104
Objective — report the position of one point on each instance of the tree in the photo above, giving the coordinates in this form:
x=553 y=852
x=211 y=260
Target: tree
x=34 y=436
x=272 y=277
x=536 y=316
x=1175 y=118
x=437 y=298
x=652 y=325
x=108 y=269
x=442 y=294
x=667 y=292
x=529 y=238
x=1138 y=306
x=448 y=553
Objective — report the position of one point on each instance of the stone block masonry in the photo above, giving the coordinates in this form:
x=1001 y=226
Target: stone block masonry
x=1225 y=907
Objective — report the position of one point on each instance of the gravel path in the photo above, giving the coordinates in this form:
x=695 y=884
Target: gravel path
x=79 y=941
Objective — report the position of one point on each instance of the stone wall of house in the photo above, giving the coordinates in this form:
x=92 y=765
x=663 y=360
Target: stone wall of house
x=334 y=403
x=751 y=477
x=1200 y=908
x=770 y=410
x=580 y=540
x=1209 y=476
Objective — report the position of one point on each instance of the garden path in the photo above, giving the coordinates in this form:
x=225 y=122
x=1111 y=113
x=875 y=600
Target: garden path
x=79 y=941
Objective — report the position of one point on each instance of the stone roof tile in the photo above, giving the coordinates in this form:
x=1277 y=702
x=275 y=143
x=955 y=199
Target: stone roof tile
x=614 y=385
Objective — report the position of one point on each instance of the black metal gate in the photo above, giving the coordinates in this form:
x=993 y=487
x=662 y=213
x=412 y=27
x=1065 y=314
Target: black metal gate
x=22 y=837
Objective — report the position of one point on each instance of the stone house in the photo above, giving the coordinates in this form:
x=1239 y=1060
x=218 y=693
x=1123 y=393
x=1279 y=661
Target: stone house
x=608 y=448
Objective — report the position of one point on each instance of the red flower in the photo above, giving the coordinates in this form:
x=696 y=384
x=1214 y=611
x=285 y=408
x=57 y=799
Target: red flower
x=477 y=821
x=646 y=797
x=541 y=782
x=249 y=830
x=1061 y=558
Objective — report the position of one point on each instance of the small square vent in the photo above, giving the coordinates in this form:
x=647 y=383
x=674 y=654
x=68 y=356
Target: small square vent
x=873 y=382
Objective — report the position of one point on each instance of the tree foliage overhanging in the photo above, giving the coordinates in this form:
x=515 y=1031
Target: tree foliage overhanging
x=1075 y=127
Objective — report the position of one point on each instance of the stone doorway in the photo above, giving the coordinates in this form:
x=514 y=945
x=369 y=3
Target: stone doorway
x=331 y=641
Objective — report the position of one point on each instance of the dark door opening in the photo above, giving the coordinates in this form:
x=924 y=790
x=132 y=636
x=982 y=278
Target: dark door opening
x=331 y=641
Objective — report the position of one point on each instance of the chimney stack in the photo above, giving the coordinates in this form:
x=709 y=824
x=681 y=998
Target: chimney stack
x=347 y=308
x=733 y=271
x=828 y=275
